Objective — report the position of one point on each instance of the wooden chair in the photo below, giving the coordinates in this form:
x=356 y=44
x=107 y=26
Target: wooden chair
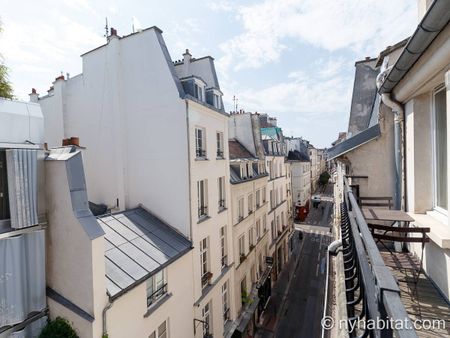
x=375 y=202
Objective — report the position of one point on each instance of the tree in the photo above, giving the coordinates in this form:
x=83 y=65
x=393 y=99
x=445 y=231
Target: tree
x=5 y=86
x=58 y=328
x=323 y=179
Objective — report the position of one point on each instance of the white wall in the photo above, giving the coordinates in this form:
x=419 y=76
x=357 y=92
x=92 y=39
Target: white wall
x=126 y=109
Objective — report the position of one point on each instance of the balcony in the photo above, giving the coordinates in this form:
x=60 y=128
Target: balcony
x=202 y=211
x=219 y=153
x=375 y=282
x=200 y=153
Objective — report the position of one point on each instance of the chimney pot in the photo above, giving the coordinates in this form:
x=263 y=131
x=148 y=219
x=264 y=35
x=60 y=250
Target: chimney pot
x=75 y=141
x=61 y=77
x=66 y=142
x=113 y=32
x=33 y=91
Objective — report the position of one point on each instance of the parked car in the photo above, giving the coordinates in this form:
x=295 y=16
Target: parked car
x=316 y=200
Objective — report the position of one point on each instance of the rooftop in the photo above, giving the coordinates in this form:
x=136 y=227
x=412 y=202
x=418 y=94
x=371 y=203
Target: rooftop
x=137 y=245
x=238 y=151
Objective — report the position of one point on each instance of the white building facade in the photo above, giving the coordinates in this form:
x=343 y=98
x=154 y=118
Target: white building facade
x=154 y=134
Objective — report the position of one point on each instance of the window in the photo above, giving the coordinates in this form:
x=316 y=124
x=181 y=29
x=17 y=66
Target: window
x=244 y=291
x=250 y=203
x=250 y=238
x=206 y=315
x=204 y=262
x=282 y=218
x=272 y=200
x=161 y=332
x=264 y=195
x=278 y=222
x=225 y=302
x=4 y=198
x=223 y=246
x=219 y=139
x=216 y=101
x=252 y=274
x=264 y=223
x=156 y=287
x=200 y=142
x=440 y=143
x=258 y=198
x=221 y=186
x=242 y=245
x=241 y=209
x=202 y=194
x=258 y=229
x=274 y=232
x=198 y=90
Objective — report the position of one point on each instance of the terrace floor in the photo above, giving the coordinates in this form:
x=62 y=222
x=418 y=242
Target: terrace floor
x=423 y=302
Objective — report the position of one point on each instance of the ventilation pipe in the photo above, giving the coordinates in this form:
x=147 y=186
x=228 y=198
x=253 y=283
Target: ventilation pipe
x=398 y=110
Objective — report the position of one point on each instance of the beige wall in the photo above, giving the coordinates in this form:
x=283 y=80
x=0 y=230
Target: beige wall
x=416 y=92
x=242 y=190
x=127 y=316
x=211 y=169
x=375 y=159
x=75 y=263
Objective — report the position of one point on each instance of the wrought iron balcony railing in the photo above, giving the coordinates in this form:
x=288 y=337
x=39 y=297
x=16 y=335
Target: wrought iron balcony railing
x=372 y=293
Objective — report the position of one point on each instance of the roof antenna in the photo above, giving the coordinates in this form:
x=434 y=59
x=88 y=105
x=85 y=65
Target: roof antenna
x=106 y=29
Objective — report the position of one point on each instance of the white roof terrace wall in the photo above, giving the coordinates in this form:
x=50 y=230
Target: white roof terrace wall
x=21 y=121
x=127 y=111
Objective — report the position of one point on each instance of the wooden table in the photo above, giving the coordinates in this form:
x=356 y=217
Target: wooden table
x=388 y=215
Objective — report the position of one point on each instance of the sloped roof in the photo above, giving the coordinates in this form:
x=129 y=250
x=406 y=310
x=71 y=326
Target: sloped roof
x=354 y=142
x=237 y=150
x=295 y=155
x=137 y=245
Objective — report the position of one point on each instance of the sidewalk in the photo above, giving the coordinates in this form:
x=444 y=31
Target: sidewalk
x=270 y=315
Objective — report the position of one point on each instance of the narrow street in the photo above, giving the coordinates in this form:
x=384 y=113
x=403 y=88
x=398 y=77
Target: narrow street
x=302 y=311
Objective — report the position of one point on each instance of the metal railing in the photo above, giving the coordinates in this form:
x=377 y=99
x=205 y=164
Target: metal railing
x=374 y=306
x=157 y=294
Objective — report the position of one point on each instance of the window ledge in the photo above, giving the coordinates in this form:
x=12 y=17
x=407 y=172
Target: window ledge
x=439 y=231
x=203 y=219
x=220 y=158
x=156 y=305
x=222 y=209
x=201 y=159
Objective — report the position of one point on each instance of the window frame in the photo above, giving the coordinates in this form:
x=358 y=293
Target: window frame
x=219 y=145
x=202 y=198
x=200 y=142
x=437 y=208
x=157 y=291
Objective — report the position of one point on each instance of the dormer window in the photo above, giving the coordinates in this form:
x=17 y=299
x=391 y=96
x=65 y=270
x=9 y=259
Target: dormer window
x=198 y=91
x=213 y=97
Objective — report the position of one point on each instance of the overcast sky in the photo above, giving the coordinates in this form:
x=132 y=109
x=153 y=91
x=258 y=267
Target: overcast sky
x=293 y=59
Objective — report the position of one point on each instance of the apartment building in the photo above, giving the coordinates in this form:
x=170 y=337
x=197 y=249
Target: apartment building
x=155 y=136
x=421 y=88
x=250 y=231
x=279 y=188
x=298 y=157
x=22 y=220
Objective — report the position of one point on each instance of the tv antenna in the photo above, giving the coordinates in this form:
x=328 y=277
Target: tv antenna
x=106 y=29
x=235 y=102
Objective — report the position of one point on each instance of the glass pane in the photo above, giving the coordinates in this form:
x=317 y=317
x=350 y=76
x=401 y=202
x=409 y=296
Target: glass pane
x=441 y=149
x=162 y=329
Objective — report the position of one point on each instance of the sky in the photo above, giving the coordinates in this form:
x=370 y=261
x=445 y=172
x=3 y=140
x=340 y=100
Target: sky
x=292 y=59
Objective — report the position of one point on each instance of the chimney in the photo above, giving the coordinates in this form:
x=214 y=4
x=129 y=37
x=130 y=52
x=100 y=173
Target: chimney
x=113 y=32
x=367 y=58
x=34 y=96
x=186 y=63
x=61 y=77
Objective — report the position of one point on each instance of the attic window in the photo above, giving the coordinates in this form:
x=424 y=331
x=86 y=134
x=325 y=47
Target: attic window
x=216 y=101
x=198 y=91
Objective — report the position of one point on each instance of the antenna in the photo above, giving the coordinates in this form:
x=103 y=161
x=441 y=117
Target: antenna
x=106 y=29
x=235 y=103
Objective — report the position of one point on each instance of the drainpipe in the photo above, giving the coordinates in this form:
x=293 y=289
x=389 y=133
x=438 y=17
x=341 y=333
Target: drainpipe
x=107 y=307
x=398 y=110
x=332 y=249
